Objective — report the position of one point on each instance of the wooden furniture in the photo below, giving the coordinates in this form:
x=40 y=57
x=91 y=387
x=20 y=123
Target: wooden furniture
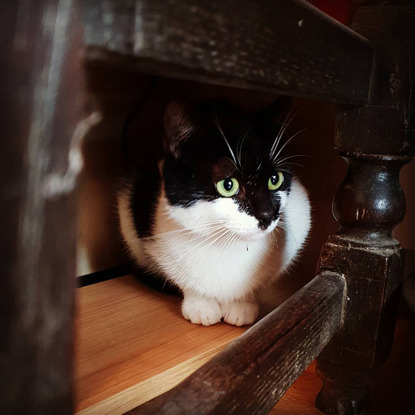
x=280 y=46
x=134 y=345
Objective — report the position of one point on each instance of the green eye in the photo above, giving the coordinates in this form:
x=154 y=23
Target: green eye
x=228 y=187
x=275 y=181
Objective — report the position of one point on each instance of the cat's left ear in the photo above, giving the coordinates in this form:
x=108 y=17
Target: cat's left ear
x=178 y=126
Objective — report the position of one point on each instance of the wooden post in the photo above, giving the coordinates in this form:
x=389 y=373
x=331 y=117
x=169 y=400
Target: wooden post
x=375 y=140
x=38 y=170
x=369 y=203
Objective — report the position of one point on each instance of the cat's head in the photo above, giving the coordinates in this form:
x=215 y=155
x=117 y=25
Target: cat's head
x=224 y=171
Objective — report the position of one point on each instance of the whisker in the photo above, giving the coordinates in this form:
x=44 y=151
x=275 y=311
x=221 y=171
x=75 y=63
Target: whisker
x=274 y=235
x=226 y=244
x=286 y=171
x=287 y=122
x=281 y=132
x=290 y=231
x=230 y=241
x=225 y=139
x=291 y=157
x=223 y=234
x=288 y=141
x=177 y=231
x=204 y=227
x=240 y=145
x=291 y=164
x=185 y=252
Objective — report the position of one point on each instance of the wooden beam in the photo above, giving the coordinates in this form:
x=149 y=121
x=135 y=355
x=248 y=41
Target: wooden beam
x=252 y=373
x=283 y=46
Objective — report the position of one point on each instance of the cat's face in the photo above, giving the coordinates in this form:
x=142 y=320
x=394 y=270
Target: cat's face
x=221 y=174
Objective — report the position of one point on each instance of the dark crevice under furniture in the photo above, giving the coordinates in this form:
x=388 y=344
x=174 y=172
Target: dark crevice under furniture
x=345 y=316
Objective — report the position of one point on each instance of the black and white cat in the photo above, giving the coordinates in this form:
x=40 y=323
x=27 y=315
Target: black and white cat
x=222 y=215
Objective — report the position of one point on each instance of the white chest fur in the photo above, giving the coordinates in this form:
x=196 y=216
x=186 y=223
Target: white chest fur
x=215 y=264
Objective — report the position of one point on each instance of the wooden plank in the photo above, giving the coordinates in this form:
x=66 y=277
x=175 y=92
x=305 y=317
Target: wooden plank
x=301 y=396
x=40 y=162
x=133 y=344
x=252 y=373
x=283 y=46
x=391 y=395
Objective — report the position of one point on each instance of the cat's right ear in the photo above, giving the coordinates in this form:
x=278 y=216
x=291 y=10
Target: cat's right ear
x=178 y=126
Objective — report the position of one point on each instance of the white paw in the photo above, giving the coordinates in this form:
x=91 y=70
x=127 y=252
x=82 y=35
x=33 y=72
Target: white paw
x=240 y=313
x=200 y=310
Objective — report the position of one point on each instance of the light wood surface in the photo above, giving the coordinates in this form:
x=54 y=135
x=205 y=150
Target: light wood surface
x=133 y=344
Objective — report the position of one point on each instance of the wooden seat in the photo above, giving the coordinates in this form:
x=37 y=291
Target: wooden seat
x=283 y=47
x=135 y=346
x=132 y=345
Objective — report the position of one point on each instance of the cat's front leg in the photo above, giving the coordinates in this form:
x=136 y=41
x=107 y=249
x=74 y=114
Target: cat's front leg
x=200 y=310
x=240 y=313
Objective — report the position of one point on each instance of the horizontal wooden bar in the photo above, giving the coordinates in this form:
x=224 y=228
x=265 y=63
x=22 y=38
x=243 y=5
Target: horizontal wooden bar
x=255 y=370
x=283 y=46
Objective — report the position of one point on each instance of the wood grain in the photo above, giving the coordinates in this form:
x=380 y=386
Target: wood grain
x=133 y=344
x=392 y=395
x=254 y=371
x=283 y=46
x=301 y=396
x=40 y=160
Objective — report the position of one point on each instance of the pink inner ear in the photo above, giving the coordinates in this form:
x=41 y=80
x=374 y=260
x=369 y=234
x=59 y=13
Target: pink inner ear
x=178 y=127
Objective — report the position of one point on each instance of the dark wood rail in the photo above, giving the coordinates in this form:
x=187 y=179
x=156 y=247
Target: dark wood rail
x=273 y=46
x=254 y=371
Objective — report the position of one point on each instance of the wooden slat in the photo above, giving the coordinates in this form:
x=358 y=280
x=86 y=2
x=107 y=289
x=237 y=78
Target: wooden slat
x=280 y=46
x=39 y=165
x=133 y=344
x=392 y=395
x=252 y=374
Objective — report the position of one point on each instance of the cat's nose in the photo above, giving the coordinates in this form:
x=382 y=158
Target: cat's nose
x=264 y=219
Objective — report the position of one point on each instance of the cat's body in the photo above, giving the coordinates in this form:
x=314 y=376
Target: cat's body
x=220 y=248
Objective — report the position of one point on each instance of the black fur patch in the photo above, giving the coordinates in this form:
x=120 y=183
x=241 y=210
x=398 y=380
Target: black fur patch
x=226 y=142
x=155 y=281
x=144 y=197
x=182 y=186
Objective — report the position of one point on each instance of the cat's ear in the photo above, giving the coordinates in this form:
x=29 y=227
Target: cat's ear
x=178 y=126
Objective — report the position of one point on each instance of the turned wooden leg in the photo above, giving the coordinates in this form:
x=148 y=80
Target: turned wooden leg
x=375 y=141
x=368 y=205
